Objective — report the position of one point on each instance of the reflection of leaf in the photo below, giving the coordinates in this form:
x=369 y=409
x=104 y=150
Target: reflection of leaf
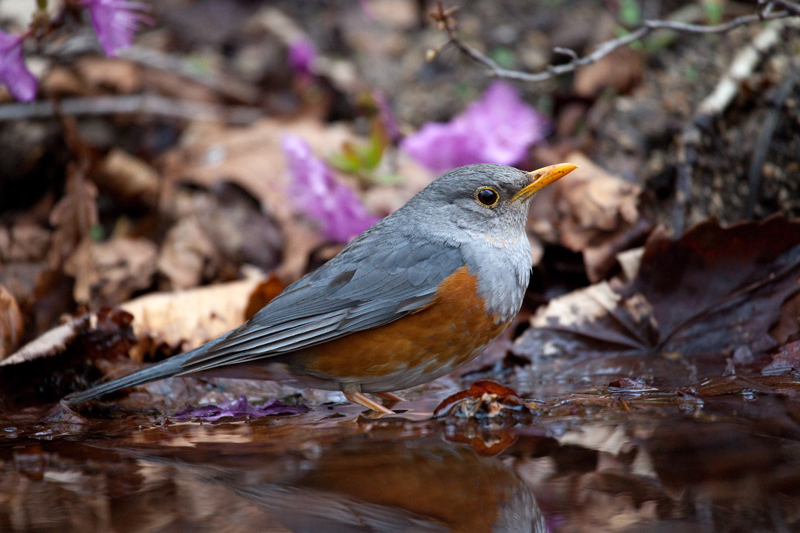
x=703 y=295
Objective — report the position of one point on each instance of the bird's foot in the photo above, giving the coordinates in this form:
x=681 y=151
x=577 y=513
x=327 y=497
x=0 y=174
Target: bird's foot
x=361 y=399
x=389 y=397
x=353 y=393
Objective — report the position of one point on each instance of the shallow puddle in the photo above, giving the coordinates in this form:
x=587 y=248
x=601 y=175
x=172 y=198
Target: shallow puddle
x=727 y=463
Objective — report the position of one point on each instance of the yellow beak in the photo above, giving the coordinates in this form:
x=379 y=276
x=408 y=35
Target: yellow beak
x=542 y=178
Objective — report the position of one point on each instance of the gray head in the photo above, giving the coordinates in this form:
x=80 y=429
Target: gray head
x=484 y=198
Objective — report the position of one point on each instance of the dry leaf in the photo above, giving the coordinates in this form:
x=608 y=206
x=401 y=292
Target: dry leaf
x=620 y=70
x=110 y=272
x=193 y=317
x=74 y=215
x=128 y=178
x=597 y=214
x=187 y=256
x=11 y=325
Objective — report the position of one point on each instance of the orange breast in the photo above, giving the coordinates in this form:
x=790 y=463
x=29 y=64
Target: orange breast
x=448 y=332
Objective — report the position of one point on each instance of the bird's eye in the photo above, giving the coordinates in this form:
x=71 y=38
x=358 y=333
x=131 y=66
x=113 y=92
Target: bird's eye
x=487 y=196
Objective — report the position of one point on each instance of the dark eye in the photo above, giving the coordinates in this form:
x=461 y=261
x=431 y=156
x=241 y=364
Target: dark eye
x=487 y=196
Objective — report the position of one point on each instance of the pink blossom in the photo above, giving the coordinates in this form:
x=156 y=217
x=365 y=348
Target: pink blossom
x=499 y=128
x=115 y=22
x=334 y=206
x=13 y=73
x=302 y=55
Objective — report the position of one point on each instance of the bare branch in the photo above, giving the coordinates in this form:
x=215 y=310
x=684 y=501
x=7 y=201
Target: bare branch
x=448 y=24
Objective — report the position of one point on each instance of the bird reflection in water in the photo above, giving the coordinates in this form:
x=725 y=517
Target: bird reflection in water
x=365 y=486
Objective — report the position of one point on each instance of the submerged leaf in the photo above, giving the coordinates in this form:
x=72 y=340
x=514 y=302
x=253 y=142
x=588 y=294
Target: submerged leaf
x=239 y=408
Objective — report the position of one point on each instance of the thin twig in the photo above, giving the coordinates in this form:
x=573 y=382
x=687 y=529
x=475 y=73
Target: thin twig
x=146 y=104
x=448 y=25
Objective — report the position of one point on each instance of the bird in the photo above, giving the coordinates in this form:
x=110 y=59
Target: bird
x=418 y=294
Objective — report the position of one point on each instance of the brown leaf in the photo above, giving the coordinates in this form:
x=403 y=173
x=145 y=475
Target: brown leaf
x=24 y=243
x=483 y=399
x=250 y=157
x=120 y=75
x=190 y=318
x=128 y=178
x=263 y=294
x=699 y=297
x=597 y=214
x=786 y=359
x=90 y=328
x=110 y=272
x=11 y=325
x=620 y=70
x=74 y=215
x=49 y=367
x=187 y=256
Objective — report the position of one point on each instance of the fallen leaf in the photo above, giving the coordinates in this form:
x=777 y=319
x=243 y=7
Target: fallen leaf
x=696 y=300
x=190 y=318
x=128 y=178
x=239 y=409
x=620 y=70
x=108 y=273
x=74 y=215
x=99 y=73
x=11 y=325
x=263 y=294
x=483 y=399
x=88 y=329
x=64 y=359
x=595 y=213
x=24 y=243
x=250 y=157
x=788 y=358
x=187 y=256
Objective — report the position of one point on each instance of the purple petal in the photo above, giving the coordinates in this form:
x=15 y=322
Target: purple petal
x=387 y=117
x=499 y=128
x=115 y=22
x=13 y=73
x=239 y=408
x=302 y=54
x=336 y=207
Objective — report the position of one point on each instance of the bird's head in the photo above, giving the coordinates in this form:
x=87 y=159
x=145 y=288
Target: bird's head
x=479 y=197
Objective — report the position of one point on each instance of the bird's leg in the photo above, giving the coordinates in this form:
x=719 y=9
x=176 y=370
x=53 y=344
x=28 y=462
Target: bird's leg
x=390 y=398
x=352 y=391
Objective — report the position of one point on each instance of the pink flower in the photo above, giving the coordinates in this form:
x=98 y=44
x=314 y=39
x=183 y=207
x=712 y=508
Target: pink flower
x=499 y=128
x=302 y=55
x=334 y=206
x=13 y=73
x=115 y=22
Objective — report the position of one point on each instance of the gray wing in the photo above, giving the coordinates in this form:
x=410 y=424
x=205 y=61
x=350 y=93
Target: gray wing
x=363 y=287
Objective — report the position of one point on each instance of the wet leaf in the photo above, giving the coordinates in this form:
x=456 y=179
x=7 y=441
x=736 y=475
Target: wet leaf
x=239 y=409
x=484 y=399
x=696 y=300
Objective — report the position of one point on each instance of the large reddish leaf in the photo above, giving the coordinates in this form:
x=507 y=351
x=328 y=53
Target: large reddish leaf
x=697 y=301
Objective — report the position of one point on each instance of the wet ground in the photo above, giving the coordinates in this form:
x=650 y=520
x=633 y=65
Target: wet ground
x=721 y=456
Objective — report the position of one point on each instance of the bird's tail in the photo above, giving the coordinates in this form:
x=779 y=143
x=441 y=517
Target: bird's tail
x=164 y=369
